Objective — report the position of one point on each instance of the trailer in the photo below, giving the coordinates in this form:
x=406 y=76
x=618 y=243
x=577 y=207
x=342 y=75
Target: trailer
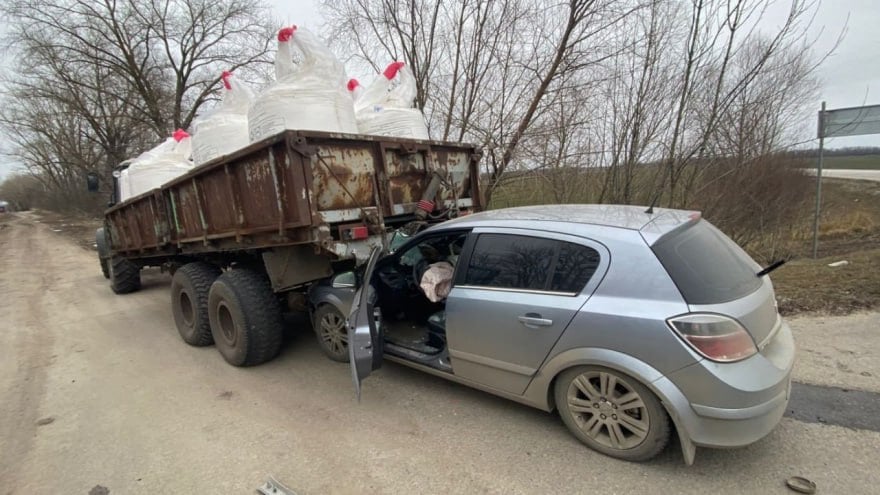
x=245 y=234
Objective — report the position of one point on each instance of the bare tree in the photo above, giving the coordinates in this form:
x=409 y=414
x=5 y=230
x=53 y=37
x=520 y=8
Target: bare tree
x=714 y=72
x=636 y=93
x=96 y=82
x=763 y=118
x=487 y=69
x=22 y=191
x=170 y=53
x=628 y=101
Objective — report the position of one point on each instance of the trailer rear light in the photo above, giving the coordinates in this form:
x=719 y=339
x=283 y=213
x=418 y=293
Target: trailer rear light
x=359 y=233
x=355 y=233
x=714 y=336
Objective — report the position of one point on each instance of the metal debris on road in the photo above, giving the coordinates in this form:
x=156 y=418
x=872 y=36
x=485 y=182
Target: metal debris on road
x=801 y=485
x=274 y=487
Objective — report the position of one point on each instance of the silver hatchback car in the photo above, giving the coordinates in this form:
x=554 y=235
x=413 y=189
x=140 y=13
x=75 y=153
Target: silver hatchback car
x=628 y=323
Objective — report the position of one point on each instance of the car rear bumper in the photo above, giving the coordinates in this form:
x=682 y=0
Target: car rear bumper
x=726 y=428
x=755 y=411
x=733 y=404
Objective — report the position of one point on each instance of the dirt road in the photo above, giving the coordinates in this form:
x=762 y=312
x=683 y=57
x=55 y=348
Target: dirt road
x=98 y=389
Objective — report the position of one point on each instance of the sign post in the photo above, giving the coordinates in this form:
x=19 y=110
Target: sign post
x=819 y=181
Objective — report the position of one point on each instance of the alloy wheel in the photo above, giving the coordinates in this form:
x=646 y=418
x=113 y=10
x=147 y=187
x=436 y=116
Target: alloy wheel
x=608 y=409
x=333 y=334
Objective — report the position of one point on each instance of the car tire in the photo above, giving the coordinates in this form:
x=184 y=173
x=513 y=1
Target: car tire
x=612 y=413
x=125 y=276
x=189 y=302
x=245 y=317
x=331 y=332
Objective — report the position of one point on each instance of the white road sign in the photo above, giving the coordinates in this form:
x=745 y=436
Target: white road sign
x=850 y=121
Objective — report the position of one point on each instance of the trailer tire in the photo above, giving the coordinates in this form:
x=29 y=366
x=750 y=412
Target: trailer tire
x=125 y=276
x=189 y=301
x=245 y=317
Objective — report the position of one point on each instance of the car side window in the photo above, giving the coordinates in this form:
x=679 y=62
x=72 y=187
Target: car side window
x=507 y=261
x=574 y=268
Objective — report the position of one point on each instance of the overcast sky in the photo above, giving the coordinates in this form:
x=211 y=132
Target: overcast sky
x=850 y=77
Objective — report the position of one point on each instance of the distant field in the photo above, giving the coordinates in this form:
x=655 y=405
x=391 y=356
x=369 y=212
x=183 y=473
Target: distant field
x=856 y=162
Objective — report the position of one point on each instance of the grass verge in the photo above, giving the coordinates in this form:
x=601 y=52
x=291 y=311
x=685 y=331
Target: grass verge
x=811 y=286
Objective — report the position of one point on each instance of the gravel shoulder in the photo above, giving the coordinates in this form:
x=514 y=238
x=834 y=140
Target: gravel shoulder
x=841 y=351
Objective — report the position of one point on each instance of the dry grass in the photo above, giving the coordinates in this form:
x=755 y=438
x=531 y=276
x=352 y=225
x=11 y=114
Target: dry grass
x=850 y=215
x=849 y=231
x=851 y=223
x=808 y=285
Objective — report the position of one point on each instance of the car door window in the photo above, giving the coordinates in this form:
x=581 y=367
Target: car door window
x=517 y=262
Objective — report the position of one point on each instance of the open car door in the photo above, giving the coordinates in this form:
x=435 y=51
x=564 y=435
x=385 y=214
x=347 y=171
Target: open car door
x=365 y=338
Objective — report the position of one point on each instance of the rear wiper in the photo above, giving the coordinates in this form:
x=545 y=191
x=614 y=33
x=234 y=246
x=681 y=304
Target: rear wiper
x=773 y=266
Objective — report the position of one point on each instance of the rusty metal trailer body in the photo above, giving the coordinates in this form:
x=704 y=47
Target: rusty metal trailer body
x=246 y=233
x=297 y=202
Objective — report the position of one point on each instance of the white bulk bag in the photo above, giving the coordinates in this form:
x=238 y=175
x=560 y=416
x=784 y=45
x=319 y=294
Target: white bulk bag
x=311 y=96
x=283 y=57
x=142 y=160
x=124 y=185
x=225 y=130
x=163 y=163
x=385 y=107
x=355 y=90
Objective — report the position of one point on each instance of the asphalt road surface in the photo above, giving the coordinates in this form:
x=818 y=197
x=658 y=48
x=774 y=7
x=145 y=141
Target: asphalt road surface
x=849 y=174
x=98 y=389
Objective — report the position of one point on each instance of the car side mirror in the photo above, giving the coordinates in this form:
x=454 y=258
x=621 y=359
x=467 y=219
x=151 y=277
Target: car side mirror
x=92 y=182
x=345 y=279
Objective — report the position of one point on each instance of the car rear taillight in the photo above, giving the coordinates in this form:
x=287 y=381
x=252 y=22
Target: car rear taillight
x=716 y=337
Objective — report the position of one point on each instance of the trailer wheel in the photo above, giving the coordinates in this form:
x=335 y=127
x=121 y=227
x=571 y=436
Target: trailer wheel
x=125 y=276
x=245 y=317
x=189 y=301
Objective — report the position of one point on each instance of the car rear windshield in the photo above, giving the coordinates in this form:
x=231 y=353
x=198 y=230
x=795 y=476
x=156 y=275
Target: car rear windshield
x=706 y=265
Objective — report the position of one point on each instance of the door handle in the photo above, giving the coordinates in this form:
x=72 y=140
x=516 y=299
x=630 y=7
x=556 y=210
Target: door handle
x=534 y=320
